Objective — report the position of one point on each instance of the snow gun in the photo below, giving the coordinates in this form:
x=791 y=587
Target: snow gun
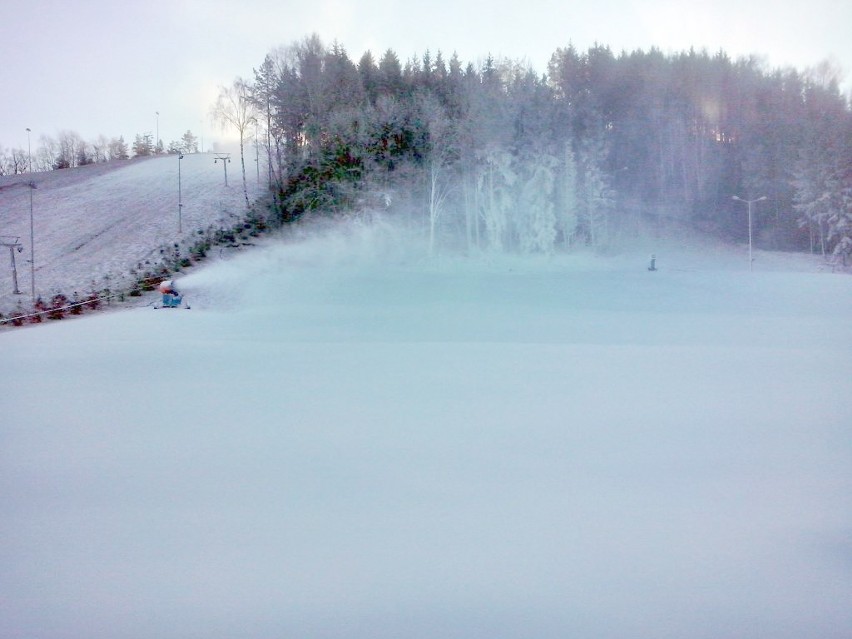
x=171 y=297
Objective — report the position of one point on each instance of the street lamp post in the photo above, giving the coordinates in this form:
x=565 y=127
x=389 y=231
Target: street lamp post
x=180 y=198
x=157 y=141
x=32 y=225
x=749 y=203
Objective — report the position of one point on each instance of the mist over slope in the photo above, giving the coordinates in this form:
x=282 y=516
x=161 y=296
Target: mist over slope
x=104 y=219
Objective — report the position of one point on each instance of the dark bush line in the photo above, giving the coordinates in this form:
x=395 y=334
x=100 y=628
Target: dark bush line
x=145 y=276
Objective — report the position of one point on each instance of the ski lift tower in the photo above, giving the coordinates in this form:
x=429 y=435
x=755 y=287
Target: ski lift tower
x=14 y=244
x=32 y=186
x=225 y=157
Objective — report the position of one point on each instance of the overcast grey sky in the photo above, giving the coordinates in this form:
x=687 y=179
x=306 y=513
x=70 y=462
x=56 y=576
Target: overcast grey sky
x=107 y=66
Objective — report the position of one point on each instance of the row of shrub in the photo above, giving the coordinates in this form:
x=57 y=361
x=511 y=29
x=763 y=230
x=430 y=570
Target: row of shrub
x=57 y=307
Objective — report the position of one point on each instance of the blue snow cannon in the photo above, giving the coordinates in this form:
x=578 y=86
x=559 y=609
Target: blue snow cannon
x=171 y=297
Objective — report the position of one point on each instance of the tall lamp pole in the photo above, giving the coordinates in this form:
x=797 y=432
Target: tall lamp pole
x=749 y=203
x=157 y=141
x=32 y=225
x=180 y=198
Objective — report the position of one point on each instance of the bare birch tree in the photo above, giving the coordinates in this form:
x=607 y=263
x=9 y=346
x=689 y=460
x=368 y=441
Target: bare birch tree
x=234 y=108
x=442 y=154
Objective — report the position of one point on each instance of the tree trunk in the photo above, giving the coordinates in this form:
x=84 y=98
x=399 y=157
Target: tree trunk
x=243 y=166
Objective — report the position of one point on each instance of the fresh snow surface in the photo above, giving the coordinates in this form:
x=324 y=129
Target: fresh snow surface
x=105 y=219
x=344 y=439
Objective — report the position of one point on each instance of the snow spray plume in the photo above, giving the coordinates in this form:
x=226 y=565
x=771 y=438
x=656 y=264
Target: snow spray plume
x=308 y=248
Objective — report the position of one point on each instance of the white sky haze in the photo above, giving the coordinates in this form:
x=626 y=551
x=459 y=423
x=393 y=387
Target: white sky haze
x=105 y=67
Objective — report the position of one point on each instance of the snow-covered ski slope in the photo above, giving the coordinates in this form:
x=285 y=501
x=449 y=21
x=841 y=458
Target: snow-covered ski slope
x=104 y=219
x=343 y=439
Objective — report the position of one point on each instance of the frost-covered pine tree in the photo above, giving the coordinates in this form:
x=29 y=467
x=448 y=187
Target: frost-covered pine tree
x=821 y=173
x=535 y=218
x=566 y=196
x=117 y=149
x=840 y=220
x=143 y=145
x=811 y=200
x=495 y=186
x=596 y=197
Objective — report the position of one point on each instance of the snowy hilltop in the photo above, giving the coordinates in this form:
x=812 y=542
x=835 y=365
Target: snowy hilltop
x=99 y=226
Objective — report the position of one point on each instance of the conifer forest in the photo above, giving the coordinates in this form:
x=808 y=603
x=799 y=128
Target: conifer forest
x=496 y=155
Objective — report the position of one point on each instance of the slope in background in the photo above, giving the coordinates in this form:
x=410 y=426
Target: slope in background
x=104 y=219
